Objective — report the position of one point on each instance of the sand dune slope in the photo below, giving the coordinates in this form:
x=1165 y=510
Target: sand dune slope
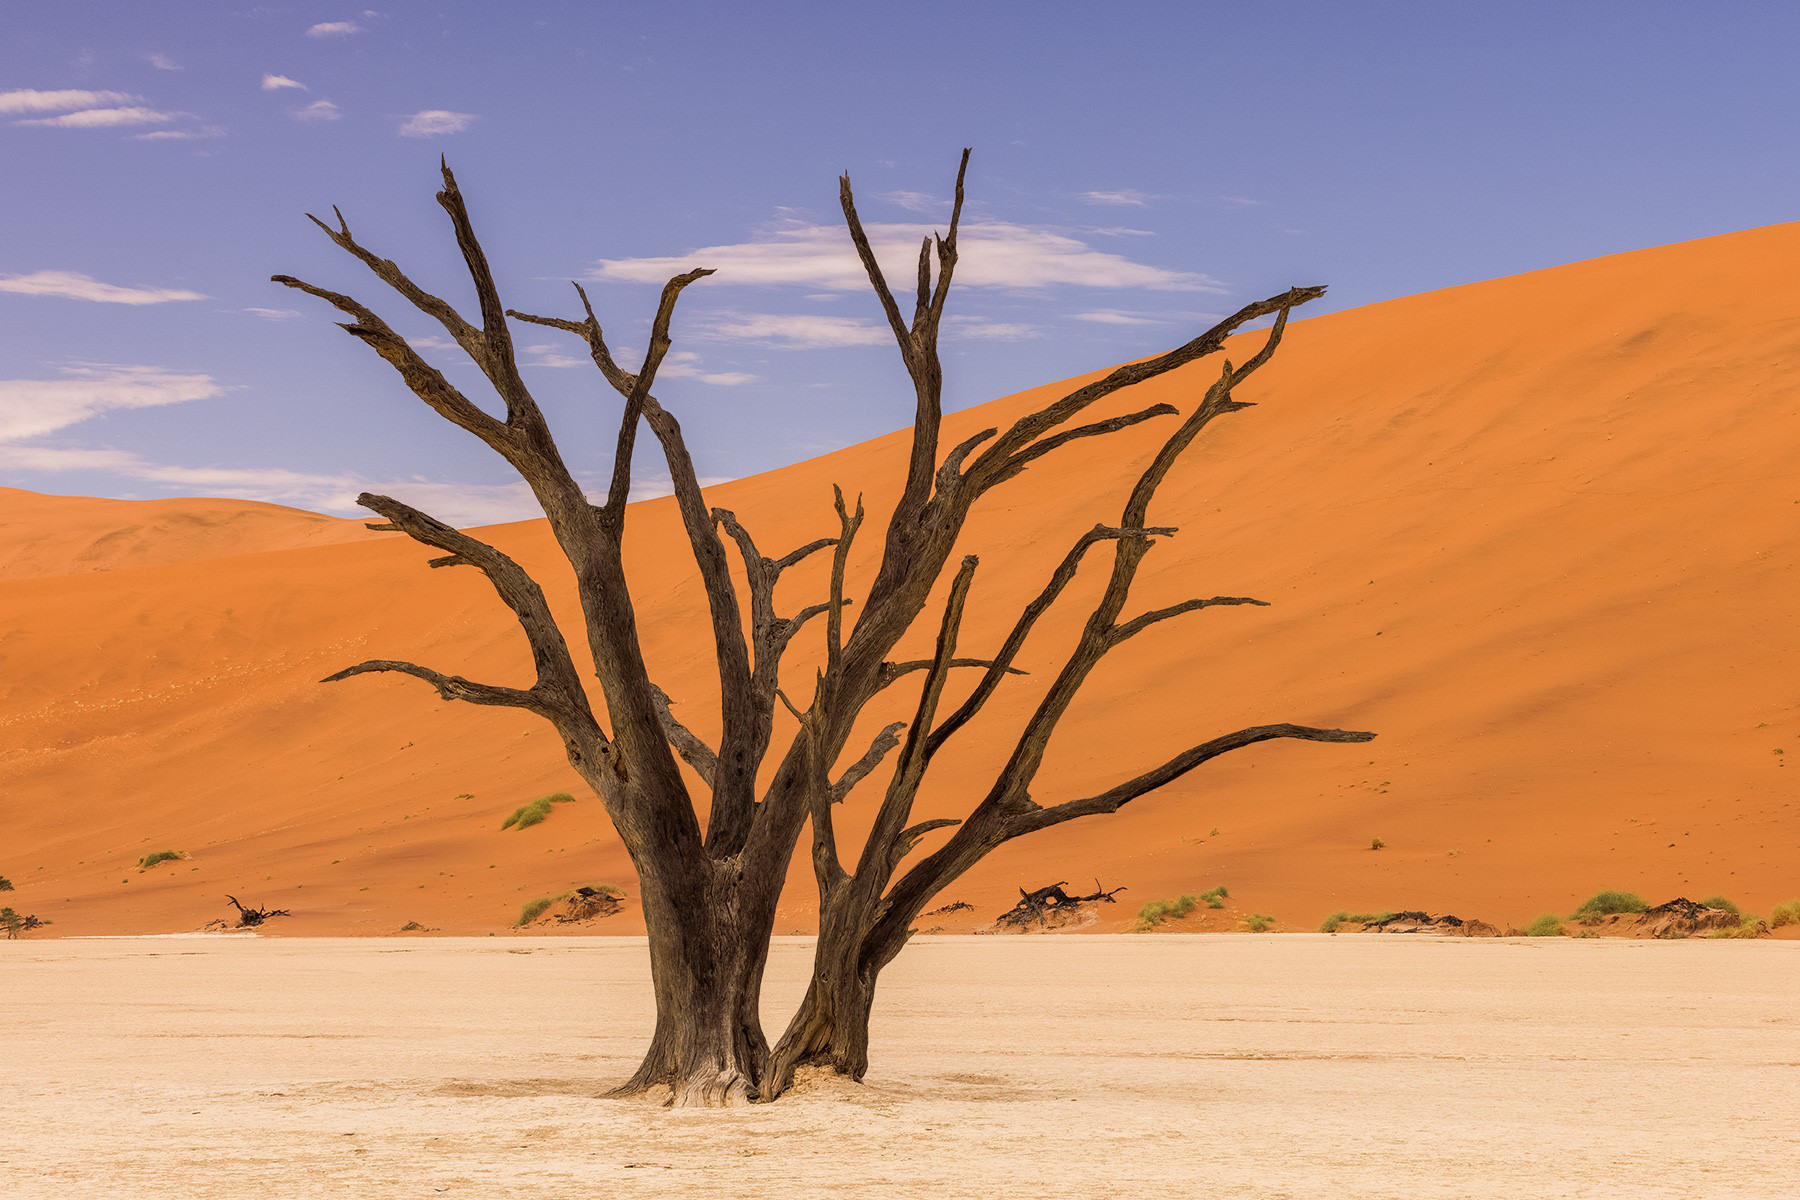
x=66 y=535
x=1538 y=532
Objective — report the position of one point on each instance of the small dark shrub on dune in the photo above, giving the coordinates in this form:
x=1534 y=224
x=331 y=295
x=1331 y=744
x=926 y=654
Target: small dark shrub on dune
x=1547 y=925
x=1785 y=914
x=1606 y=904
x=527 y=815
x=5 y=884
x=160 y=856
x=12 y=924
x=1258 y=923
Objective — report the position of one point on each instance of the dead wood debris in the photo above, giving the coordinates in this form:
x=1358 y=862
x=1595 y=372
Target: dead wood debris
x=1051 y=907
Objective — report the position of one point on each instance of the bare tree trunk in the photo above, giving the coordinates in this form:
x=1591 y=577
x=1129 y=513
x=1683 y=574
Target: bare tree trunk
x=707 y=968
x=831 y=1027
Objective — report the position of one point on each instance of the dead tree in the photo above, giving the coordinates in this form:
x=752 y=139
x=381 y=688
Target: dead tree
x=249 y=918
x=709 y=892
x=1036 y=907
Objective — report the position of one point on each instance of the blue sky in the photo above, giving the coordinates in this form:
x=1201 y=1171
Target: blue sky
x=1137 y=167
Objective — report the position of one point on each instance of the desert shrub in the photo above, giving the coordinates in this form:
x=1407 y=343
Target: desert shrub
x=536 y=908
x=1547 y=925
x=1785 y=914
x=5 y=884
x=160 y=856
x=1747 y=927
x=12 y=924
x=1158 y=911
x=1376 y=844
x=1722 y=902
x=1605 y=904
x=527 y=815
x=1258 y=923
x=1349 y=918
x=587 y=900
x=1215 y=897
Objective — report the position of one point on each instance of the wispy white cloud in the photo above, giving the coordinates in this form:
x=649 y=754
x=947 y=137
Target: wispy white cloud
x=27 y=100
x=33 y=407
x=160 y=61
x=435 y=122
x=793 y=332
x=274 y=314
x=914 y=201
x=329 y=29
x=317 y=111
x=546 y=354
x=73 y=285
x=198 y=133
x=1125 y=197
x=274 y=83
x=103 y=118
x=986 y=330
x=685 y=364
x=1114 y=316
x=1119 y=316
x=1121 y=231
x=431 y=341
x=992 y=254
x=1242 y=201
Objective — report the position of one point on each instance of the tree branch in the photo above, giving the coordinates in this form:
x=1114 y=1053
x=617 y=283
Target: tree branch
x=1137 y=625
x=1118 y=797
x=859 y=770
x=1029 y=428
x=1015 y=641
x=558 y=683
x=454 y=687
x=834 y=618
x=425 y=380
x=880 y=851
x=891 y=672
x=696 y=753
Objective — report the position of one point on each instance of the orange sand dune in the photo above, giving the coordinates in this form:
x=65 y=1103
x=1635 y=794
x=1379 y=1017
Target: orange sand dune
x=66 y=535
x=1538 y=532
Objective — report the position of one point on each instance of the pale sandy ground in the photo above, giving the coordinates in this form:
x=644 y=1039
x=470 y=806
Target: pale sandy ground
x=1227 y=1066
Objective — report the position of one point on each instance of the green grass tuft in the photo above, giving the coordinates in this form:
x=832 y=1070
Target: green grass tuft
x=1722 y=902
x=541 y=905
x=1785 y=914
x=1747 y=927
x=536 y=908
x=5 y=884
x=1215 y=897
x=1158 y=911
x=1377 y=844
x=527 y=815
x=1547 y=925
x=161 y=856
x=1605 y=904
x=1258 y=923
